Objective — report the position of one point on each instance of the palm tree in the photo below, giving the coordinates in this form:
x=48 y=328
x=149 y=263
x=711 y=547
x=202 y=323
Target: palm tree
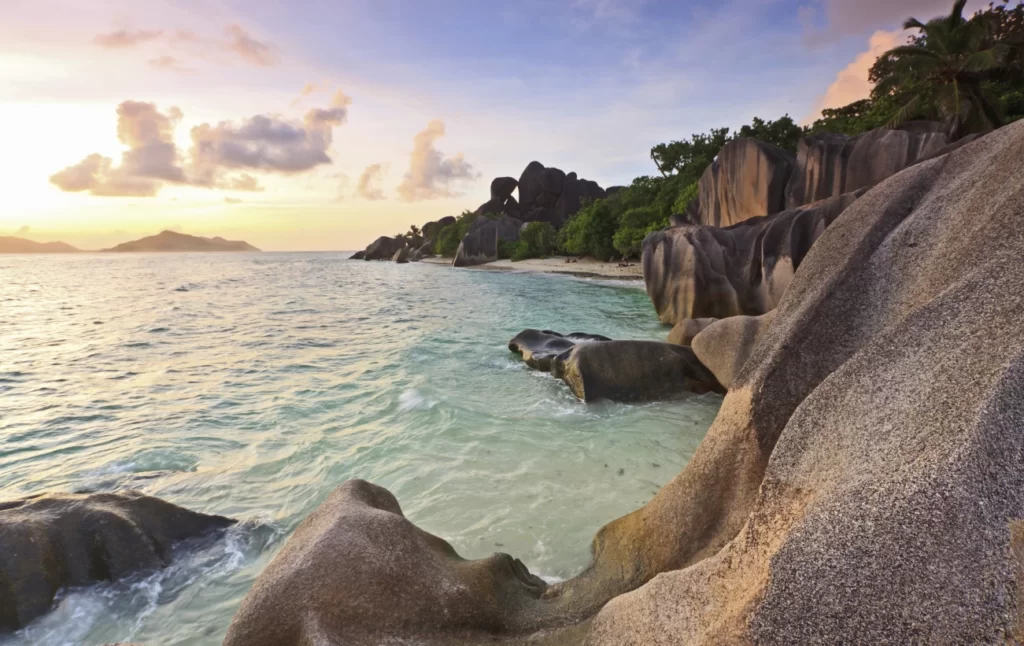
x=952 y=58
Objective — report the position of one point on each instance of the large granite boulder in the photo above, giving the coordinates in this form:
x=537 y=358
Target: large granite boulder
x=695 y=272
x=685 y=331
x=431 y=229
x=383 y=248
x=401 y=256
x=725 y=345
x=481 y=244
x=746 y=180
x=632 y=371
x=830 y=164
x=530 y=186
x=539 y=347
x=864 y=480
x=357 y=572
x=502 y=187
x=49 y=542
x=359 y=255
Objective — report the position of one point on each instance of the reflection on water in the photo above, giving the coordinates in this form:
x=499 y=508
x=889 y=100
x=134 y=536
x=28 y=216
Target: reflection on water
x=251 y=385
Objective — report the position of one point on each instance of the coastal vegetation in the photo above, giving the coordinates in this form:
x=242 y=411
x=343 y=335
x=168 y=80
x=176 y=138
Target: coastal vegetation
x=965 y=72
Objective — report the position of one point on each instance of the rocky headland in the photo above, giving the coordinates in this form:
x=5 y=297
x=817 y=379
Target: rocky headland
x=863 y=481
x=172 y=241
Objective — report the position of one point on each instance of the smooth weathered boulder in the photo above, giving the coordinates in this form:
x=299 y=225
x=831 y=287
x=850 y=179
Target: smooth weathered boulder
x=746 y=180
x=830 y=164
x=502 y=188
x=864 y=480
x=632 y=371
x=694 y=272
x=481 y=244
x=383 y=248
x=359 y=255
x=53 y=541
x=401 y=256
x=357 y=572
x=727 y=344
x=431 y=229
x=539 y=347
x=684 y=331
x=530 y=186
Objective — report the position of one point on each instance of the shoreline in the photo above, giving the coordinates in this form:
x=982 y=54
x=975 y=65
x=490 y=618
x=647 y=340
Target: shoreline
x=582 y=268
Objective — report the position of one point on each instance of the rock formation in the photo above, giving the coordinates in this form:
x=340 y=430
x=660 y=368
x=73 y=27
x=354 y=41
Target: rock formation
x=481 y=244
x=550 y=195
x=10 y=244
x=747 y=179
x=862 y=483
x=632 y=371
x=725 y=345
x=539 y=347
x=356 y=572
x=401 y=256
x=887 y=394
x=52 y=541
x=684 y=331
x=695 y=272
x=830 y=164
x=383 y=248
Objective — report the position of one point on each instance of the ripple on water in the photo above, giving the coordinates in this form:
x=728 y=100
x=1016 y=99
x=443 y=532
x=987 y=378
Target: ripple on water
x=295 y=373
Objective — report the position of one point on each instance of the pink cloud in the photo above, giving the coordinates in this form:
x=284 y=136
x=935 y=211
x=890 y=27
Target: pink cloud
x=126 y=38
x=852 y=82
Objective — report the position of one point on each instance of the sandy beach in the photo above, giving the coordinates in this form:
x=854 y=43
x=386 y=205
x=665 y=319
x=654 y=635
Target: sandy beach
x=584 y=267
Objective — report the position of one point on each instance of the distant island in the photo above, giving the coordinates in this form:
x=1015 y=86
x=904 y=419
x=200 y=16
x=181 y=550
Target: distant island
x=10 y=244
x=173 y=241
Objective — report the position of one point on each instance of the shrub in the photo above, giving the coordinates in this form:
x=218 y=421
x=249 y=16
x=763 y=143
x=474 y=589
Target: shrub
x=449 y=237
x=634 y=225
x=537 y=240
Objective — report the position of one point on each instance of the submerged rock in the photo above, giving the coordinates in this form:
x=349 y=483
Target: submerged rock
x=52 y=541
x=356 y=572
x=539 y=347
x=695 y=272
x=632 y=371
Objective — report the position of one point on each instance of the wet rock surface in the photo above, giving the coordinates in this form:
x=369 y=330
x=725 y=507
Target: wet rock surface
x=539 y=347
x=57 y=540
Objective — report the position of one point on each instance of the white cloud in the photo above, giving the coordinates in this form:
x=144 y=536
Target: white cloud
x=431 y=175
x=368 y=186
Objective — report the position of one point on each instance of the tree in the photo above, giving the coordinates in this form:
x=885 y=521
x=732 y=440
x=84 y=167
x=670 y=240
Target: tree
x=691 y=156
x=782 y=132
x=947 y=67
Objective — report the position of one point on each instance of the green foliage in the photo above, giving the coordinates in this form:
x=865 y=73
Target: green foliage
x=961 y=70
x=690 y=156
x=634 y=225
x=590 y=231
x=685 y=197
x=449 y=237
x=782 y=132
x=537 y=240
x=506 y=249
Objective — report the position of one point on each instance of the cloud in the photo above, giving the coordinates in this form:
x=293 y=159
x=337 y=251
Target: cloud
x=846 y=17
x=170 y=64
x=431 y=174
x=267 y=143
x=232 y=200
x=852 y=82
x=250 y=49
x=243 y=182
x=614 y=10
x=368 y=185
x=24 y=229
x=126 y=38
x=151 y=156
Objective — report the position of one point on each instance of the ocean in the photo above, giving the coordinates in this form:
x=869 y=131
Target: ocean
x=250 y=385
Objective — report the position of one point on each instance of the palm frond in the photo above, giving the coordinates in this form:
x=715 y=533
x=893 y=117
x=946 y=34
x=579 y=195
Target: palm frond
x=957 y=15
x=985 y=60
x=913 y=23
x=913 y=51
x=903 y=114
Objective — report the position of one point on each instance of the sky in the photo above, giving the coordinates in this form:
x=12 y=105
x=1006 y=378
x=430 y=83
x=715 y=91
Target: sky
x=320 y=125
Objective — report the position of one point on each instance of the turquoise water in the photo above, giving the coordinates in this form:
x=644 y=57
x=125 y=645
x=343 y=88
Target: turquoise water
x=251 y=385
